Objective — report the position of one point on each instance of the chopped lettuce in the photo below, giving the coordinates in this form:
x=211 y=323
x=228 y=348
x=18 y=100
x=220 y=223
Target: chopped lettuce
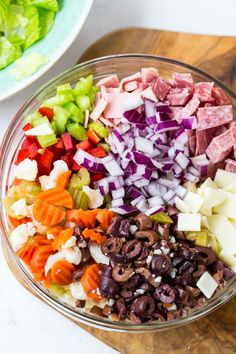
x=46 y=21
x=32 y=30
x=51 y=5
x=8 y=52
x=28 y=65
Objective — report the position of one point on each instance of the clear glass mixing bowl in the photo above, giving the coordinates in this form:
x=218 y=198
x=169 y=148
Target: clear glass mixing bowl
x=123 y=65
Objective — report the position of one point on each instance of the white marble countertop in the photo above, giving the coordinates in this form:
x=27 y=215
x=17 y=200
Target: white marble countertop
x=26 y=324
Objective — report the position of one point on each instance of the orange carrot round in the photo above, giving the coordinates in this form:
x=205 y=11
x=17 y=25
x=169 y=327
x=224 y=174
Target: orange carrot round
x=104 y=217
x=62 y=238
x=39 y=258
x=26 y=253
x=57 y=196
x=90 y=281
x=93 y=236
x=63 y=179
x=47 y=214
x=83 y=218
x=61 y=272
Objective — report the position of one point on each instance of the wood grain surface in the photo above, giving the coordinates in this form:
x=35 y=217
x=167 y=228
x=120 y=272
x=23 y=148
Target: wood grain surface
x=216 y=333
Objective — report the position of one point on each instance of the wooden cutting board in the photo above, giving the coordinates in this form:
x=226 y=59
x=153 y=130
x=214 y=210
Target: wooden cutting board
x=215 y=333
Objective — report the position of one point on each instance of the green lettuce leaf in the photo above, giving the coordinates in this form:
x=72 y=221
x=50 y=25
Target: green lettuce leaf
x=8 y=52
x=46 y=21
x=46 y=4
x=15 y=25
x=32 y=30
x=28 y=65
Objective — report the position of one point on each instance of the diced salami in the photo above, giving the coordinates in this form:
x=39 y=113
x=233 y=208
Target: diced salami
x=160 y=88
x=149 y=74
x=204 y=137
x=191 y=141
x=220 y=147
x=189 y=109
x=230 y=165
x=210 y=117
x=220 y=96
x=149 y=94
x=182 y=79
x=109 y=81
x=233 y=134
x=178 y=96
x=203 y=90
x=213 y=167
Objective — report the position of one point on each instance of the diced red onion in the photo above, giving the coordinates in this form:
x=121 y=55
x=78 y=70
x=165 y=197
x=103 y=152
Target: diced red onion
x=117 y=202
x=112 y=166
x=180 y=192
x=118 y=193
x=182 y=160
x=163 y=108
x=154 y=210
x=144 y=145
x=133 y=192
x=168 y=195
x=149 y=107
x=194 y=171
x=137 y=200
x=155 y=201
x=124 y=209
x=167 y=126
x=189 y=123
x=191 y=178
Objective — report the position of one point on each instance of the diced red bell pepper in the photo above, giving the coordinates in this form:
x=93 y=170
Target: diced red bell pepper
x=45 y=162
x=68 y=158
x=84 y=145
x=59 y=144
x=33 y=151
x=93 y=137
x=47 y=112
x=22 y=155
x=26 y=127
x=67 y=140
x=76 y=167
x=97 y=152
x=95 y=177
x=26 y=143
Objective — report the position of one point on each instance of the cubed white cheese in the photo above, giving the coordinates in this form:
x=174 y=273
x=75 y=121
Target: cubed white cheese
x=194 y=201
x=181 y=205
x=204 y=221
x=43 y=129
x=213 y=197
x=21 y=233
x=189 y=222
x=207 y=285
x=77 y=291
x=208 y=183
x=27 y=170
x=95 y=197
x=228 y=207
x=227 y=258
x=230 y=188
x=20 y=207
x=224 y=178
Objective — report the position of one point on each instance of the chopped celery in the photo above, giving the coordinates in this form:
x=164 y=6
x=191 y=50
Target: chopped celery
x=105 y=146
x=38 y=119
x=54 y=127
x=80 y=198
x=59 y=100
x=83 y=102
x=77 y=131
x=162 y=218
x=34 y=116
x=83 y=86
x=99 y=129
x=92 y=93
x=45 y=140
x=64 y=89
x=61 y=117
x=80 y=179
x=74 y=112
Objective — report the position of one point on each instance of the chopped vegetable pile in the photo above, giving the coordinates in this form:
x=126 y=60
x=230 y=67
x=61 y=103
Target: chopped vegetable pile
x=22 y=23
x=123 y=201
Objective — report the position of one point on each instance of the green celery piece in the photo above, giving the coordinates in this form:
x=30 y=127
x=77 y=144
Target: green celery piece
x=44 y=140
x=92 y=93
x=33 y=116
x=51 y=5
x=83 y=102
x=80 y=198
x=162 y=218
x=32 y=30
x=74 y=112
x=61 y=118
x=59 y=100
x=99 y=129
x=54 y=126
x=105 y=146
x=83 y=86
x=64 y=89
x=28 y=65
x=46 y=21
x=79 y=179
x=8 y=52
x=77 y=131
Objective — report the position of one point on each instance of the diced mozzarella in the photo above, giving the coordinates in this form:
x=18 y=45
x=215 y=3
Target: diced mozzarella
x=194 y=201
x=207 y=285
x=27 y=170
x=77 y=291
x=181 y=205
x=227 y=258
x=20 y=207
x=231 y=188
x=189 y=222
x=213 y=197
x=228 y=207
x=95 y=197
x=224 y=178
x=21 y=233
x=69 y=243
x=208 y=183
x=97 y=254
x=42 y=129
x=204 y=221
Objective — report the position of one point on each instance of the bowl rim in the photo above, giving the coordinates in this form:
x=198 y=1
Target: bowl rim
x=57 y=304
x=57 y=55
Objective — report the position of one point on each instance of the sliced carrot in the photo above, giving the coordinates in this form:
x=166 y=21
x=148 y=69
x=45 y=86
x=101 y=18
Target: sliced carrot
x=39 y=276
x=61 y=272
x=90 y=281
x=26 y=253
x=42 y=240
x=46 y=281
x=16 y=222
x=61 y=239
x=55 y=231
x=104 y=217
x=16 y=181
x=83 y=218
x=63 y=179
x=57 y=196
x=90 y=234
x=47 y=214
x=39 y=258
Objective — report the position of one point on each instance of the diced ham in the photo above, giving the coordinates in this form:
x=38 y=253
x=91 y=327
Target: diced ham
x=109 y=81
x=107 y=122
x=131 y=86
x=134 y=77
x=149 y=94
x=178 y=96
x=203 y=90
x=160 y=88
x=182 y=79
x=204 y=137
x=149 y=74
x=98 y=109
x=230 y=166
x=210 y=117
x=220 y=147
x=103 y=92
x=115 y=106
x=233 y=134
x=189 y=109
x=191 y=141
x=220 y=96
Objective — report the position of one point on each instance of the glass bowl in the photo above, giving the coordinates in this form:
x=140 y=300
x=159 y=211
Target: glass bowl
x=123 y=65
